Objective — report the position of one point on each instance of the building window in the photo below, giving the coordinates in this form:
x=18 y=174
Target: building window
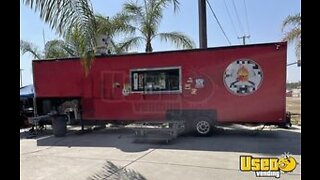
x=156 y=80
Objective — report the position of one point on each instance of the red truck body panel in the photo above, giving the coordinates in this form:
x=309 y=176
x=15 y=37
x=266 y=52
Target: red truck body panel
x=205 y=83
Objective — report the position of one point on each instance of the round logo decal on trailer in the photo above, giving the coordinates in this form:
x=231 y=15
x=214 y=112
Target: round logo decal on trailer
x=243 y=77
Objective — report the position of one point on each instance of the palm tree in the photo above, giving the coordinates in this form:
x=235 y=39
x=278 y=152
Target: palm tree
x=294 y=34
x=61 y=49
x=113 y=27
x=146 y=19
x=56 y=49
x=52 y=49
x=75 y=21
x=29 y=47
x=62 y=15
x=68 y=16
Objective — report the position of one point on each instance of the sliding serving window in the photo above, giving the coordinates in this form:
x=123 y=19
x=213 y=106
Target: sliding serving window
x=156 y=80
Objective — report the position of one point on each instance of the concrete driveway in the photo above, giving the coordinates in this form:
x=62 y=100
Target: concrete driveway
x=113 y=154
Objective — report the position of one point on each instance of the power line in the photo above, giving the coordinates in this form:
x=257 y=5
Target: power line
x=235 y=9
x=246 y=14
x=234 y=27
x=218 y=22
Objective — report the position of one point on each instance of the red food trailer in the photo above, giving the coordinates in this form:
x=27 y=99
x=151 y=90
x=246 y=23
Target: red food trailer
x=203 y=87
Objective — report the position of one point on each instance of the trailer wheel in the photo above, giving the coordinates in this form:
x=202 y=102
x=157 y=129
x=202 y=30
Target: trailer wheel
x=203 y=126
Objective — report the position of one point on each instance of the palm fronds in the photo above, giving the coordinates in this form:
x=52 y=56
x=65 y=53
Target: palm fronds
x=55 y=49
x=146 y=19
x=64 y=15
x=26 y=46
x=179 y=39
x=294 y=33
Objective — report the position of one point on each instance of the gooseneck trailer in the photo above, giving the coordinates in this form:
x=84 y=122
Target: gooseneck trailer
x=202 y=87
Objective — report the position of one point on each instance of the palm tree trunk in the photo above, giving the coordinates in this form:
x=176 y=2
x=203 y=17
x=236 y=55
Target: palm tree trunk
x=149 y=46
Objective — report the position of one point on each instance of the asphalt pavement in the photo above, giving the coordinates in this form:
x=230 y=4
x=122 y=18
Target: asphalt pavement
x=114 y=154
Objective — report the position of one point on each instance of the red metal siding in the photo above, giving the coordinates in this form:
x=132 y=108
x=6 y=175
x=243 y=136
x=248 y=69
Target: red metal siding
x=105 y=101
x=58 y=78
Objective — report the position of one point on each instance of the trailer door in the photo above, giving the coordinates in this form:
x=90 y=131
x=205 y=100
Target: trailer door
x=112 y=84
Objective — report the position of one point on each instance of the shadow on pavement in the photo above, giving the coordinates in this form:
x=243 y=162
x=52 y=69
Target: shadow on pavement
x=113 y=172
x=27 y=133
x=269 y=142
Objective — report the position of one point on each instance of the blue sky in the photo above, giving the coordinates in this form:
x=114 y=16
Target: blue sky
x=263 y=24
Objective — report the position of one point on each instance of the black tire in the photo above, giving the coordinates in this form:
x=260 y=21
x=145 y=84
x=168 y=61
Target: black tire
x=203 y=126
x=59 y=125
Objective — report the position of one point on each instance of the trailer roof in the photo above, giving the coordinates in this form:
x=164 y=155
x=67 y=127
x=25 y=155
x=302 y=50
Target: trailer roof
x=161 y=52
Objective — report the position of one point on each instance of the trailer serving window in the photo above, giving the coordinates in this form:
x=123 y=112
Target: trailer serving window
x=156 y=80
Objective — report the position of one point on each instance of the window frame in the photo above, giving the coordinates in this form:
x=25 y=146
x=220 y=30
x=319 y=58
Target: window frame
x=157 y=69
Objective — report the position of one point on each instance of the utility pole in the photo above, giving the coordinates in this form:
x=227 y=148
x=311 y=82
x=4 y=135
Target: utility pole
x=43 y=38
x=202 y=24
x=244 y=38
x=21 y=77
